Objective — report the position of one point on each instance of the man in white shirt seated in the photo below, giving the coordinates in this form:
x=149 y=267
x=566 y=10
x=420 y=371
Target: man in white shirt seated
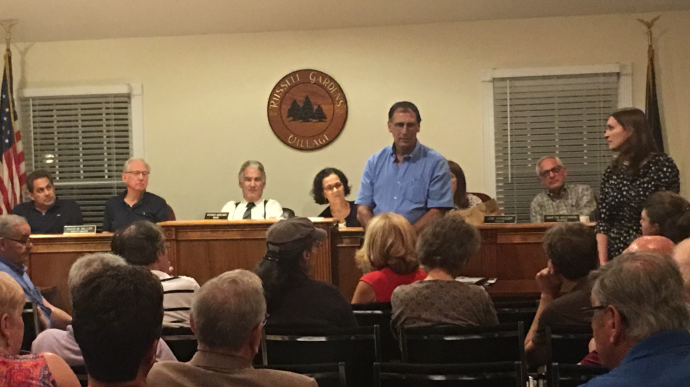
x=253 y=206
x=142 y=243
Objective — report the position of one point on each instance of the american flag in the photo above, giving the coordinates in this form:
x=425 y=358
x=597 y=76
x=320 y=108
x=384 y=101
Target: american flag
x=13 y=173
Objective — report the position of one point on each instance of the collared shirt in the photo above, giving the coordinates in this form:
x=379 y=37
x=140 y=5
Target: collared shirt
x=576 y=199
x=272 y=209
x=421 y=182
x=61 y=213
x=32 y=293
x=178 y=295
x=661 y=360
x=63 y=344
x=119 y=214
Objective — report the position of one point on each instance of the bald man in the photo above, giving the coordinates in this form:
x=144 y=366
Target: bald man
x=681 y=254
x=651 y=243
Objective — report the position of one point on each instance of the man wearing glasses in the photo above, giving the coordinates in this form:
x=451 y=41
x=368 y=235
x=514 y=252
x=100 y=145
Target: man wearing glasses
x=135 y=203
x=15 y=246
x=559 y=198
x=406 y=178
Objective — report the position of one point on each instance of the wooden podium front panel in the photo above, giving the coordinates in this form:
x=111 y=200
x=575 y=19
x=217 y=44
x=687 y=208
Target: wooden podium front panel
x=346 y=274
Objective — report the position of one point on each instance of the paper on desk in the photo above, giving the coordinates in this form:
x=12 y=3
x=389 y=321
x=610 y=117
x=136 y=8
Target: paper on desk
x=476 y=280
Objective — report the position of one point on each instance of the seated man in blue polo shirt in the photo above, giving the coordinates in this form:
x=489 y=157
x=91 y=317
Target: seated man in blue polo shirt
x=406 y=178
x=15 y=247
x=46 y=213
x=135 y=203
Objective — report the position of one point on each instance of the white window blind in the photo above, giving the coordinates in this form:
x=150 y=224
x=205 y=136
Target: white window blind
x=562 y=115
x=83 y=141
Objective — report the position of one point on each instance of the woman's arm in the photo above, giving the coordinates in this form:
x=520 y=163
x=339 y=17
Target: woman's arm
x=63 y=375
x=364 y=294
x=602 y=247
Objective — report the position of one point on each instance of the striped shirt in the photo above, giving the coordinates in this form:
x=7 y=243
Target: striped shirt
x=178 y=295
x=577 y=199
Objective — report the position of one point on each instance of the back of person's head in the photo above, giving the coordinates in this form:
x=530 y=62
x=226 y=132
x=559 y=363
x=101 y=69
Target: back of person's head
x=389 y=241
x=647 y=290
x=117 y=319
x=139 y=243
x=447 y=244
x=227 y=309
x=681 y=254
x=572 y=249
x=11 y=295
x=283 y=267
x=656 y=243
x=669 y=212
x=89 y=264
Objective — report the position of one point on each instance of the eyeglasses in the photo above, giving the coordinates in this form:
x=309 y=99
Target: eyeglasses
x=333 y=187
x=26 y=241
x=408 y=125
x=139 y=173
x=589 y=310
x=555 y=170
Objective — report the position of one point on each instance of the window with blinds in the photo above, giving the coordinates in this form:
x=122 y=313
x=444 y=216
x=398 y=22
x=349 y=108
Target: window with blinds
x=83 y=141
x=562 y=115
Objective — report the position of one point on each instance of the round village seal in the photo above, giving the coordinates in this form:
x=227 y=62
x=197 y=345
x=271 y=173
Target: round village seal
x=307 y=109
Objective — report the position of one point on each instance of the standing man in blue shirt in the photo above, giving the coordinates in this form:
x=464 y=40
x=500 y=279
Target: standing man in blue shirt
x=15 y=247
x=407 y=177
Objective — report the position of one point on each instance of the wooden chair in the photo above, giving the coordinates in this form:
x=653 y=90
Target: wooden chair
x=379 y=313
x=514 y=311
x=572 y=375
x=326 y=375
x=502 y=374
x=182 y=342
x=358 y=348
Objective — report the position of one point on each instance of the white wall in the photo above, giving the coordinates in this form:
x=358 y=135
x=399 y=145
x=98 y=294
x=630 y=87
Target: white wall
x=205 y=96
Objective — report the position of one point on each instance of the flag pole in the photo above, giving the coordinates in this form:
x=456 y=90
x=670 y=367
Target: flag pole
x=8 y=25
x=651 y=99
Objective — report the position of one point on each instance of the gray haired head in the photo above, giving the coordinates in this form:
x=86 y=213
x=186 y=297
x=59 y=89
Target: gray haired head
x=255 y=164
x=8 y=223
x=125 y=168
x=89 y=264
x=547 y=157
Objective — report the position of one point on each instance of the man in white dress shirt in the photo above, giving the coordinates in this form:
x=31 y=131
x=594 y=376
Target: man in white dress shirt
x=253 y=206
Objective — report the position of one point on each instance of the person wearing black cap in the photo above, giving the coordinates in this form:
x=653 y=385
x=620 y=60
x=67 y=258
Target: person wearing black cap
x=292 y=298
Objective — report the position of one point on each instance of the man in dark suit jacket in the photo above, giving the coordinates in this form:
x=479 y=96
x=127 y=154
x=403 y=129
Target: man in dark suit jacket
x=227 y=317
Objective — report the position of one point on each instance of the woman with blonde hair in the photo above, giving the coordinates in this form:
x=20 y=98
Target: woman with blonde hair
x=389 y=255
x=43 y=369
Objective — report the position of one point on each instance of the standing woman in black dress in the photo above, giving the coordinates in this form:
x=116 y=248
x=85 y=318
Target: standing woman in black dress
x=638 y=171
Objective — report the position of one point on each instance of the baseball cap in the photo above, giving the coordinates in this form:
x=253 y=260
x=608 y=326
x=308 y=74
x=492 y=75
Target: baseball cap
x=289 y=234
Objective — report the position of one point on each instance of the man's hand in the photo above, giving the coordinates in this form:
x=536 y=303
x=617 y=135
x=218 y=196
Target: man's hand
x=548 y=282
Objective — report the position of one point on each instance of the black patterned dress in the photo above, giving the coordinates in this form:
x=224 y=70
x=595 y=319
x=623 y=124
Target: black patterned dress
x=623 y=195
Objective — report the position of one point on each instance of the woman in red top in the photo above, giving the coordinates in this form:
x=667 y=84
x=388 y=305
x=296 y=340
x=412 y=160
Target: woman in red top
x=388 y=250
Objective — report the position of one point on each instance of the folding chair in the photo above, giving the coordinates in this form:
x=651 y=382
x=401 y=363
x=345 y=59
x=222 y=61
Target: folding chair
x=182 y=342
x=379 y=313
x=326 y=375
x=501 y=374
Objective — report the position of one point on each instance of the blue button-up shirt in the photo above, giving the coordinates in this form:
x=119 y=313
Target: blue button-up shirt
x=32 y=293
x=661 y=360
x=421 y=181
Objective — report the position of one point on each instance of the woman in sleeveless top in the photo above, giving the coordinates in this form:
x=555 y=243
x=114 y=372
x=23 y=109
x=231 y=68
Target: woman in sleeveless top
x=43 y=369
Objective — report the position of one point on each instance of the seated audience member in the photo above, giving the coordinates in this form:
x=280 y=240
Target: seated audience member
x=461 y=198
x=253 y=206
x=444 y=247
x=292 y=298
x=656 y=243
x=640 y=322
x=15 y=246
x=142 y=243
x=667 y=214
x=117 y=323
x=227 y=318
x=42 y=369
x=63 y=343
x=388 y=249
x=331 y=187
x=572 y=252
x=135 y=203
x=681 y=254
x=559 y=198
x=46 y=213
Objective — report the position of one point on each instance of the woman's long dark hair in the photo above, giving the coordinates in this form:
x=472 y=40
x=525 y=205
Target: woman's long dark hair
x=281 y=272
x=460 y=196
x=640 y=145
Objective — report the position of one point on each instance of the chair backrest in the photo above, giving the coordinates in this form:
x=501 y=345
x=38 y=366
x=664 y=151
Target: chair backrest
x=501 y=374
x=31 y=327
x=182 y=342
x=358 y=348
x=514 y=311
x=326 y=375
x=572 y=375
x=463 y=345
x=379 y=313
x=568 y=343
x=287 y=213
x=171 y=213
x=82 y=375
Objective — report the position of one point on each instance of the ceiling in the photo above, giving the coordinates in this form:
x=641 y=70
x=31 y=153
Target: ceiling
x=57 y=20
